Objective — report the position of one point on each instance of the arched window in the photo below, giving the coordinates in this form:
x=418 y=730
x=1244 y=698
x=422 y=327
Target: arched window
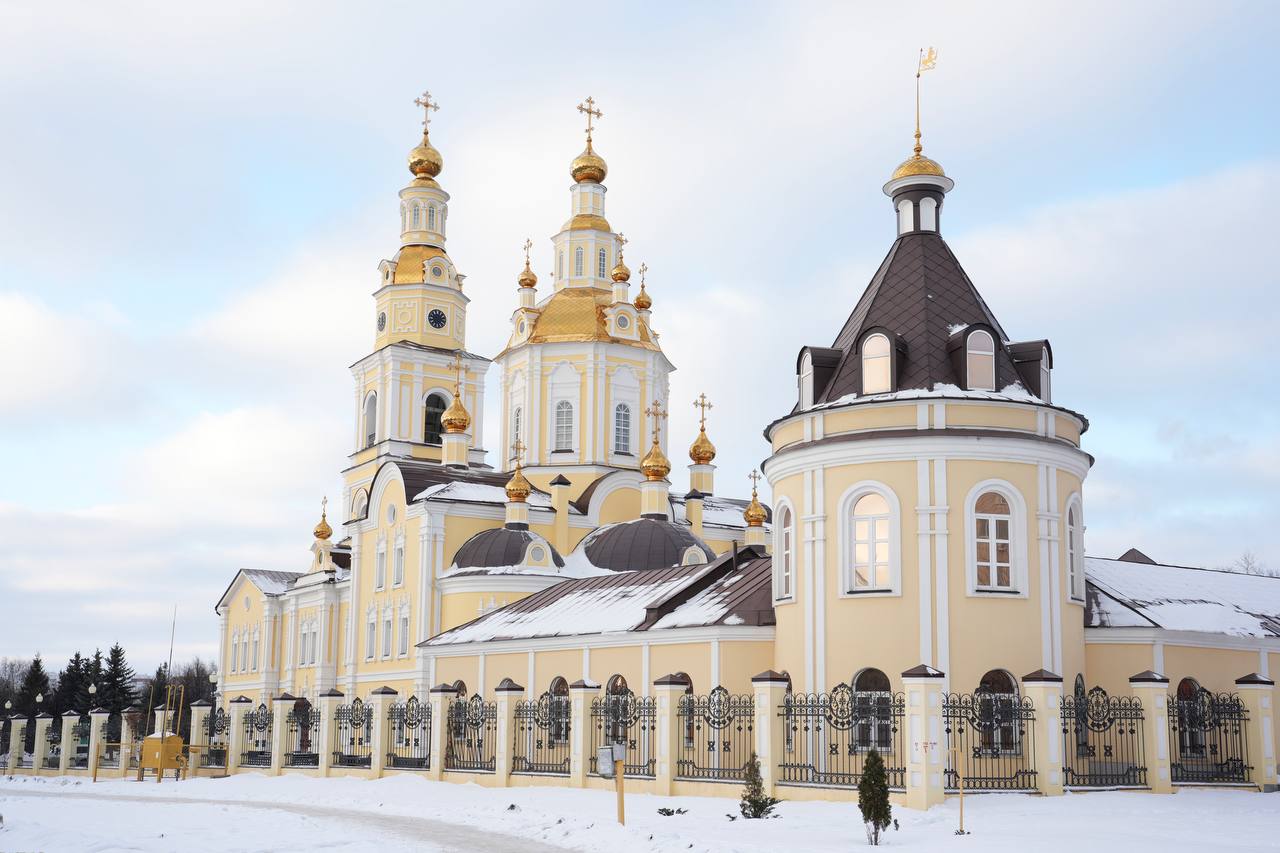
x=601 y=263
x=993 y=546
x=417 y=220
x=1188 y=688
x=872 y=701
x=559 y=709
x=996 y=707
x=404 y=213
x=786 y=556
x=622 y=428
x=564 y=425
x=360 y=504
x=980 y=361
x=876 y=372
x=806 y=381
x=906 y=216
x=370 y=420
x=431 y=426
x=577 y=261
x=560 y=265
x=871 y=543
x=516 y=432
x=617 y=686
x=1046 y=393
x=431 y=217
x=1075 y=569
x=928 y=214
x=460 y=689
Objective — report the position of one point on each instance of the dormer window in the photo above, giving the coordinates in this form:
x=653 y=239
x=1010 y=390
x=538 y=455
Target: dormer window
x=876 y=365
x=1045 y=393
x=980 y=361
x=806 y=381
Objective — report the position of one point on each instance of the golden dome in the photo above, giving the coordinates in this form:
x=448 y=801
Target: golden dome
x=527 y=277
x=518 y=488
x=455 y=418
x=424 y=160
x=917 y=164
x=655 y=464
x=588 y=166
x=323 y=530
x=587 y=222
x=702 y=451
x=754 y=513
x=620 y=271
x=643 y=302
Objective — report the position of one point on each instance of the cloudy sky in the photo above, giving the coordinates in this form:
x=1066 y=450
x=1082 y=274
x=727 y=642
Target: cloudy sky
x=194 y=203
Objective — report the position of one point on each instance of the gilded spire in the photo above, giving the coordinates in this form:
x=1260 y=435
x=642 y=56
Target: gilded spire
x=518 y=488
x=754 y=514
x=527 y=277
x=424 y=160
x=702 y=451
x=589 y=167
x=655 y=464
x=323 y=530
x=643 y=301
x=456 y=418
x=917 y=163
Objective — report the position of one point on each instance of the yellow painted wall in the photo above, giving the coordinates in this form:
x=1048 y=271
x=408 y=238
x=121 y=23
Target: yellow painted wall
x=998 y=417
x=869 y=417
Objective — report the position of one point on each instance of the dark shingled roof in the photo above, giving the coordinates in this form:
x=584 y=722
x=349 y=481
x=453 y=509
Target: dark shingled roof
x=645 y=543
x=500 y=546
x=917 y=295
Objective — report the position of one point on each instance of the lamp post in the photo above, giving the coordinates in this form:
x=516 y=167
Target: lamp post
x=93 y=691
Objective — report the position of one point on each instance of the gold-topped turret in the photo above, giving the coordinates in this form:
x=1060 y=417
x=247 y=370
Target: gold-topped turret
x=527 y=277
x=702 y=451
x=917 y=163
x=456 y=418
x=518 y=487
x=589 y=167
x=754 y=514
x=655 y=464
x=323 y=530
x=643 y=301
x=425 y=161
x=620 y=272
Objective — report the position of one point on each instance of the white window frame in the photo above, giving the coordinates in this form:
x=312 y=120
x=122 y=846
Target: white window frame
x=622 y=432
x=579 y=258
x=397 y=563
x=970 y=354
x=784 y=549
x=369 y=436
x=1018 y=562
x=371 y=635
x=388 y=633
x=1073 y=540
x=244 y=653
x=431 y=217
x=403 y=646
x=235 y=652
x=602 y=263
x=562 y=433
x=254 y=662
x=1046 y=378
x=380 y=567
x=845 y=506
x=806 y=380
x=864 y=359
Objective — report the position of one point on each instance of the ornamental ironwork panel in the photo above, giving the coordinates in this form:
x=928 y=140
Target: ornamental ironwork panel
x=27 y=759
x=6 y=737
x=1102 y=743
x=80 y=743
x=353 y=735
x=410 y=744
x=542 y=736
x=109 y=757
x=989 y=741
x=257 y=738
x=717 y=736
x=472 y=735
x=631 y=721
x=52 y=746
x=216 y=726
x=302 y=730
x=1207 y=734
x=829 y=735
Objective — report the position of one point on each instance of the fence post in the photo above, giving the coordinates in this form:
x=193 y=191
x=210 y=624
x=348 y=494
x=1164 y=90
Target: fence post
x=69 y=720
x=280 y=707
x=17 y=742
x=1256 y=692
x=439 y=701
x=200 y=710
x=926 y=743
x=381 y=701
x=329 y=702
x=1152 y=690
x=1044 y=689
x=97 y=719
x=39 y=746
x=770 y=690
x=508 y=693
x=240 y=707
x=668 y=690
x=581 y=692
x=129 y=716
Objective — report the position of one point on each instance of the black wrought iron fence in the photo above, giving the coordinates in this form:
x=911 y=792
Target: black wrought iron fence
x=257 y=738
x=717 y=736
x=410 y=741
x=353 y=734
x=542 y=736
x=472 y=735
x=827 y=737
x=6 y=736
x=302 y=732
x=1102 y=744
x=109 y=753
x=52 y=745
x=1208 y=737
x=26 y=758
x=631 y=721
x=990 y=741
x=216 y=726
x=80 y=732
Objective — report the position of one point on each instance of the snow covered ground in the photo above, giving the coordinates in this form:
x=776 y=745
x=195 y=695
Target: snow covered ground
x=252 y=813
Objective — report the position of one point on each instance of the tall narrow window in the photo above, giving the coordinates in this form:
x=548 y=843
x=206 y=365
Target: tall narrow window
x=786 y=555
x=1075 y=574
x=235 y=654
x=996 y=700
x=577 y=261
x=1046 y=393
x=255 y=651
x=431 y=218
x=431 y=427
x=876 y=374
x=404 y=214
x=516 y=433
x=622 y=428
x=404 y=633
x=370 y=420
x=564 y=425
x=871 y=708
x=602 y=259
x=417 y=214
x=244 y=655
x=560 y=265
x=806 y=381
x=315 y=642
x=380 y=570
x=992 y=525
x=386 y=636
x=370 y=632
x=870 y=543
x=981 y=361
x=397 y=568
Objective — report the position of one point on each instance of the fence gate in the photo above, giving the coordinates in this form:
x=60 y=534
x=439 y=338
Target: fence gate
x=53 y=745
x=1102 y=740
x=542 y=736
x=827 y=737
x=1207 y=736
x=109 y=759
x=473 y=734
x=410 y=747
x=989 y=741
x=80 y=742
x=215 y=738
x=302 y=728
x=717 y=736
x=629 y=720
x=353 y=735
x=257 y=738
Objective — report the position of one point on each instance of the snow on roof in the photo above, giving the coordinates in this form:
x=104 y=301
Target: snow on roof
x=477 y=493
x=716 y=511
x=271 y=582
x=1013 y=393
x=1181 y=598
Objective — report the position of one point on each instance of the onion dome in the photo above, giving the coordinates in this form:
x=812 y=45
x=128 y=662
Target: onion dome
x=588 y=167
x=527 y=277
x=643 y=544
x=323 y=530
x=424 y=160
x=702 y=451
x=504 y=547
x=518 y=488
x=754 y=513
x=620 y=272
x=456 y=418
x=655 y=465
x=643 y=302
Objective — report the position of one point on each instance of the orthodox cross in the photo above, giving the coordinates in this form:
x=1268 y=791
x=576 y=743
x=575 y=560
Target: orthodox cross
x=458 y=369
x=754 y=477
x=428 y=106
x=926 y=63
x=324 y=503
x=589 y=107
x=644 y=268
x=702 y=403
x=528 y=244
x=655 y=411
x=517 y=447
x=622 y=244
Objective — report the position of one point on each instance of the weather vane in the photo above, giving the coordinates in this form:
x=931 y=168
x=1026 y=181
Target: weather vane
x=928 y=59
x=589 y=107
x=702 y=403
x=428 y=106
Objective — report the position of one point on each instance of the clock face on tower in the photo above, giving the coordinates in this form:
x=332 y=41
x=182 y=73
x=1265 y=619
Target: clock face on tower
x=437 y=319
x=382 y=321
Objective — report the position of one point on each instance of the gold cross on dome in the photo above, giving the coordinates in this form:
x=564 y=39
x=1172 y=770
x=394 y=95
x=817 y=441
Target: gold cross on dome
x=655 y=411
x=704 y=404
x=324 y=504
x=428 y=106
x=528 y=244
x=622 y=244
x=459 y=370
x=517 y=447
x=754 y=477
x=644 y=268
x=589 y=107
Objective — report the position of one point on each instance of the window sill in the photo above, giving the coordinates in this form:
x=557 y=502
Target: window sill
x=563 y=452
x=789 y=599
x=981 y=591
x=878 y=592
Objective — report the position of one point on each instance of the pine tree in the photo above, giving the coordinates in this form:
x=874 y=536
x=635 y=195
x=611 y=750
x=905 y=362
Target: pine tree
x=34 y=683
x=71 y=686
x=755 y=802
x=873 y=797
x=93 y=672
x=116 y=692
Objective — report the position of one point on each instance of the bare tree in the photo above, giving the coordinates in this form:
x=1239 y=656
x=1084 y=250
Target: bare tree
x=1249 y=564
